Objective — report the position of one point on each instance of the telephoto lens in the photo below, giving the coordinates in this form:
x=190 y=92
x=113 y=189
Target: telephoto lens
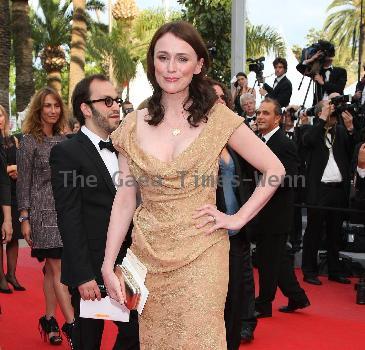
x=360 y=295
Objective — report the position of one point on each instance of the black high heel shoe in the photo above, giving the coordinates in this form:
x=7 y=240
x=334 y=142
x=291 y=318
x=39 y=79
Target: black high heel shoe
x=15 y=285
x=67 y=332
x=46 y=327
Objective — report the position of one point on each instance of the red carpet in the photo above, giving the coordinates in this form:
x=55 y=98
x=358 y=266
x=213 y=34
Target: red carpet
x=333 y=322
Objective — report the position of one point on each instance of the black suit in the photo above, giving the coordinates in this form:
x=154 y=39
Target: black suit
x=336 y=83
x=327 y=195
x=272 y=225
x=84 y=193
x=281 y=92
x=240 y=303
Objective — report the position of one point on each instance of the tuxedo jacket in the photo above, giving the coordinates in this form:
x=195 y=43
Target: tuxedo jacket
x=336 y=83
x=282 y=91
x=318 y=154
x=277 y=215
x=84 y=192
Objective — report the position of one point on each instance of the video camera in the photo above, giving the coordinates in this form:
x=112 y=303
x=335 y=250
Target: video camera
x=327 y=49
x=256 y=65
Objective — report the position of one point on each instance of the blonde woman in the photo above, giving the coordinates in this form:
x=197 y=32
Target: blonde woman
x=42 y=128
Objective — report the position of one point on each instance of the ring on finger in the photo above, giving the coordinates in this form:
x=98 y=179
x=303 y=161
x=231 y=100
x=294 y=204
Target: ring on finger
x=213 y=219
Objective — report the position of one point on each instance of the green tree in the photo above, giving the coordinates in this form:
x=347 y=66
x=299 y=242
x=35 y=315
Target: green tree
x=23 y=53
x=343 y=23
x=213 y=20
x=5 y=49
x=51 y=33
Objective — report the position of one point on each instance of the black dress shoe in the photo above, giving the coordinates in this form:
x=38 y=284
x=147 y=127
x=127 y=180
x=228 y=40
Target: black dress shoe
x=292 y=306
x=312 y=280
x=259 y=314
x=339 y=279
x=246 y=335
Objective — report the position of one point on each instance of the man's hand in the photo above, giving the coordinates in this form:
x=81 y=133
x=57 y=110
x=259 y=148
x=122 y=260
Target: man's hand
x=89 y=291
x=319 y=79
x=357 y=95
x=304 y=119
x=26 y=231
x=263 y=92
x=361 y=157
x=348 y=120
x=327 y=110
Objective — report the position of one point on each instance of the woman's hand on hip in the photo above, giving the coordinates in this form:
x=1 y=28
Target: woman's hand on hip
x=209 y=214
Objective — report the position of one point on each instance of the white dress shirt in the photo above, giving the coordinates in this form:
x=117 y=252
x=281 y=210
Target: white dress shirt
x=109 y=158
x=361 y=172
x=269 y=134
x=277 y=80
x=331 y=172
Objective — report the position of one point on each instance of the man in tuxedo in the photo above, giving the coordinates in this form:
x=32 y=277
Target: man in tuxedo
x=329 y=151
x=282 y=88
x=84 y=172
x=275 y=220
x=327 y=78
x=248 y=104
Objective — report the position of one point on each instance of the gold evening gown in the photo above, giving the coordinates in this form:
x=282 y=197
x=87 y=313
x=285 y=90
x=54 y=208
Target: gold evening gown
x=187 y=270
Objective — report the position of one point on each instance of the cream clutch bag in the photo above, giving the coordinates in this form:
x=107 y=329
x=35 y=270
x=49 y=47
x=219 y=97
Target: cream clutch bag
x=132 y=289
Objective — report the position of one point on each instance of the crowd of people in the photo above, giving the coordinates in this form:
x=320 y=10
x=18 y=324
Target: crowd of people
x=229 y=175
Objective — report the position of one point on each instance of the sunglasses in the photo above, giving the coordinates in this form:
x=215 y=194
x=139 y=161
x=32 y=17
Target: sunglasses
x=108 y=101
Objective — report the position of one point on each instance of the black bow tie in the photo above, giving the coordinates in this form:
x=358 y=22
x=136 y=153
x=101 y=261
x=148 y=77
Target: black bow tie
x=289 y=134
x=262 y=139
x=108 y=145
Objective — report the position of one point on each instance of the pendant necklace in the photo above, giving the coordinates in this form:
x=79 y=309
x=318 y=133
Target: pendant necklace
x=177 y=131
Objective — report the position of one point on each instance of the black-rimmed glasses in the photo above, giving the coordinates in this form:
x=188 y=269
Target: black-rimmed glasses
x=108 y=101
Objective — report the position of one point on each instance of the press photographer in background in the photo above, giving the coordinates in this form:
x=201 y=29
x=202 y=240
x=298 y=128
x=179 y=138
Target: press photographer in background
x=282 y=88
x=330 y=147
x=240 y=84
x=317 y=64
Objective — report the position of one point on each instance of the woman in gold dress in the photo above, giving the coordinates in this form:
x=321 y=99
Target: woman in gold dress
x=172 y=150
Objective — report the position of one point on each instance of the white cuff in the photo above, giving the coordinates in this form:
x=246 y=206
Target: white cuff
x=361 y=172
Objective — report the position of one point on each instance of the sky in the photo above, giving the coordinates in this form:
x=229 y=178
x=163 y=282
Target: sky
x=292 y=18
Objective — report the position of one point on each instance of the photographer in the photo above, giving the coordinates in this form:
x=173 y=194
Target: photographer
x=241 y=88
x=282 y=88
x=329 y=150
x=317 y=64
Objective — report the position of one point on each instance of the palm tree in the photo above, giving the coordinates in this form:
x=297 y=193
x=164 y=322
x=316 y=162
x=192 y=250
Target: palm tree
x=23 y=53
x=343 y=23
x=5 y=47
x=80 y=22
x=105 y=48
x=51 y=31
x=260 y=40
x=78 y=44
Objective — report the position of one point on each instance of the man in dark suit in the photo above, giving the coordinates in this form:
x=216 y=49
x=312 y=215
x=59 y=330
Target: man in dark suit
x=274 y=221
x=328 y=79
x=329 y=151
x=282 y=88
x=84 y=171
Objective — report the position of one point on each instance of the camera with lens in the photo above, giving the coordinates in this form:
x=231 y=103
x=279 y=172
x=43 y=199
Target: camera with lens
x=327 y=49
x=256 y=65
x=343 y=103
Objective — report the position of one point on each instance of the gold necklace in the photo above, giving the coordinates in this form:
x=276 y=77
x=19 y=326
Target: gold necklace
x=177 y=131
